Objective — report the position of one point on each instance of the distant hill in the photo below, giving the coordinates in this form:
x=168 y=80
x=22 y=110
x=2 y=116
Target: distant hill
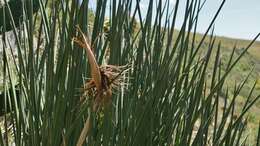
x=251 y=60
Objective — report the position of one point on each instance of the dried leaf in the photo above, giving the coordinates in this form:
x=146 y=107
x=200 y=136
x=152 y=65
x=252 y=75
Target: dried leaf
x=95 y=72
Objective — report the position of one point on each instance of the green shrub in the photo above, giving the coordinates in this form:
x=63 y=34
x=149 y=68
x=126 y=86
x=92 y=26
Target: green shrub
x=165 y=101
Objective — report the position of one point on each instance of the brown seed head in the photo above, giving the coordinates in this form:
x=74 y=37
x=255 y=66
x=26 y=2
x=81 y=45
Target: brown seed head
x=103 y=78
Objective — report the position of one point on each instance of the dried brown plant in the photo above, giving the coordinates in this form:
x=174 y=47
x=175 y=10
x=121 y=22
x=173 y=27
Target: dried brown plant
x=104 y=80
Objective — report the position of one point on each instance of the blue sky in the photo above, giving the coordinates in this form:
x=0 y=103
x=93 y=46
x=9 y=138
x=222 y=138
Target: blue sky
x=238 y=18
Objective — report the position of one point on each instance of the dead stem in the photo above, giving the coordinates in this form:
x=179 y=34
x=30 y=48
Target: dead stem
x=84 y=132
x=95 y=73
x=103 y=80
